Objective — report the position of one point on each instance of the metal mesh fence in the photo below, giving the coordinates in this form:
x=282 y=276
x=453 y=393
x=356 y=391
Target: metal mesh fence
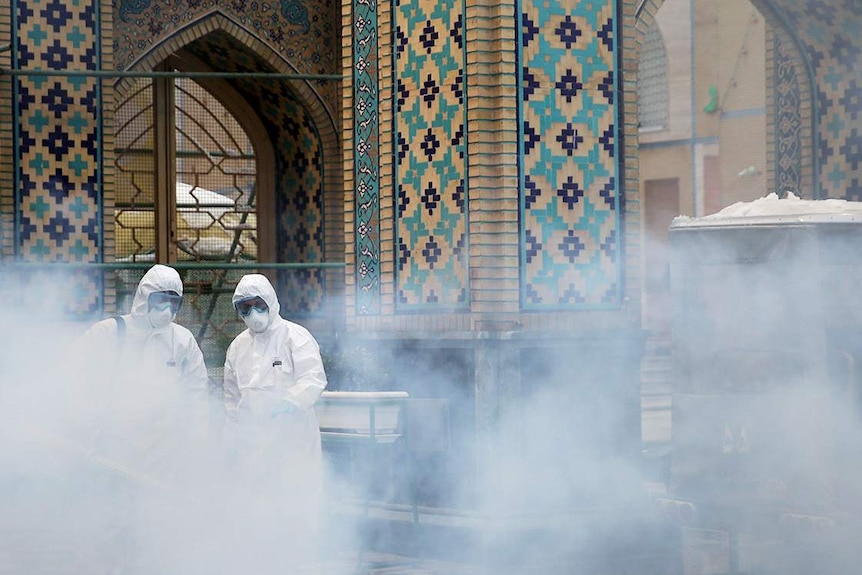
x=203 y=206
x=135 y=202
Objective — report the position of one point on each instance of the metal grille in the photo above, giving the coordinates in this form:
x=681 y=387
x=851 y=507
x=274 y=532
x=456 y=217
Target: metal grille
x=215 y=210
x=135 y=206
x=215 y=167
x=653 y=88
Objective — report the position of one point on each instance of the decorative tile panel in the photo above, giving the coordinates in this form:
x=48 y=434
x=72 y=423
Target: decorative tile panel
x=299 y=205
x=366 y=157
x=833 y=46
x=788 y=121
x=431 y=170
x=570 y=204
x=304 y=32
x=58 y=136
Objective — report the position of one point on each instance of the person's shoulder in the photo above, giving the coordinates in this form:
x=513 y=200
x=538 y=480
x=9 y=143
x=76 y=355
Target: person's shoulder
x=239 y=339
x=104 y=323
x=294 y=325
x=182 y=333
x=241 y=336
x=98 y=337
x=297 y=332
x=101 y=327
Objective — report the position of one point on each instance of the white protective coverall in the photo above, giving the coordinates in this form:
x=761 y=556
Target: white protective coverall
x=143 y=401
x=147 y=386
x=272 y=379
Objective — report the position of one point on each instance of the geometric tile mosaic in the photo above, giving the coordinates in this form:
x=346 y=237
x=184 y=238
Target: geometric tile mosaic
x=430 y=156
x=829 y=34
x=304 y=32
x=299 y=205
x=366 y=158
x=58 y=135
x=570 y=202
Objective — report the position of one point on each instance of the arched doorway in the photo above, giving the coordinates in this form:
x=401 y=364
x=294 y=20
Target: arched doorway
x=188 y=176
x=241 y=171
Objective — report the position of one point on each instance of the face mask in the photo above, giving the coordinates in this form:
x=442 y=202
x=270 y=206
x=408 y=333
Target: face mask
x=257 y=321
x=160 y=318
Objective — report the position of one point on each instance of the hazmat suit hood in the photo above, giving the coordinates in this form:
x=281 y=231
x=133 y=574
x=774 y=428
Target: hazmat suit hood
x=158 y=278
x=258 y=285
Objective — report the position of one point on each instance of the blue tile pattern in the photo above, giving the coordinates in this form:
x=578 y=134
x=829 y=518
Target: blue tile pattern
x=829 y=32
x=570 y=204
x=58 y=136
x=430 y=165
x=788 y=121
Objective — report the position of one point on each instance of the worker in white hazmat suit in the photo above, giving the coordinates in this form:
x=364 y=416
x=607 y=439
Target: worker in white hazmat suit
x=144 y=400
x=273 y=376
x=148 y=380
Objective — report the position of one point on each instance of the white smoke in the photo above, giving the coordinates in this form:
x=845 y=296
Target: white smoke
x=89 y=482
x=766 y=409
x=547 y=478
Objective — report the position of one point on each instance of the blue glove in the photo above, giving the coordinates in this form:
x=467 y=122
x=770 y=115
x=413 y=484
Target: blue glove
x=284 y=407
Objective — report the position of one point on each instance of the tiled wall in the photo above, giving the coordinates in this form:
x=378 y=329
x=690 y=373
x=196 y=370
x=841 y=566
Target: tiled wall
x=789 y=125
x=431 y=183
x=571 y=243
x=366 y=173
x=828 y=32
x=60 y=131
x=492 y=120
x=56 y=134
x=498 y=152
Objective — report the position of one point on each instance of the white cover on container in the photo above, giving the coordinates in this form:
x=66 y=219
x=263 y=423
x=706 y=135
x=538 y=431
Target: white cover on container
x=772 y=210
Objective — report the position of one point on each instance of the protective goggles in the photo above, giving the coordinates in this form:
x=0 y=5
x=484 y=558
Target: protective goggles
x=164 y=300
x=244 y=306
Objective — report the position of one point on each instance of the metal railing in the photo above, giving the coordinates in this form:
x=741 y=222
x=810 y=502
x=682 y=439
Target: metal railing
x=168 y=74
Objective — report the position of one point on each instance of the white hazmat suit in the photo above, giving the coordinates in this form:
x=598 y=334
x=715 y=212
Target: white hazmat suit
x=272 y=378
x=170 y=345
x=145 y=392
x=149 y=383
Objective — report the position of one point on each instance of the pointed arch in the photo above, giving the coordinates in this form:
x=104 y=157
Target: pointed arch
x=794 y=119
x=221 y=22
x=301 y=130
x=254 y=55
x=644 y=19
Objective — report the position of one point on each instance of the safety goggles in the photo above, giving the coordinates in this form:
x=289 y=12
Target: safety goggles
x=244 y=306
x=165 y=299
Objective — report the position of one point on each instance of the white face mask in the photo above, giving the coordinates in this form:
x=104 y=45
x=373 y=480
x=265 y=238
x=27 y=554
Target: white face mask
x=257 y=321
x=160 y=318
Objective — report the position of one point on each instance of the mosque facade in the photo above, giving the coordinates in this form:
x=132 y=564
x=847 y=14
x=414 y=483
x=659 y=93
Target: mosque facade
x=468 y=171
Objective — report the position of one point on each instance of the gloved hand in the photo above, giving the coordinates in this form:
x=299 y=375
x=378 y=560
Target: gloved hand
x=283 y=407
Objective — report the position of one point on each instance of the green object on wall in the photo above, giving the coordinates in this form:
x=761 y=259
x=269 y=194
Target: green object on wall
x=712 y=106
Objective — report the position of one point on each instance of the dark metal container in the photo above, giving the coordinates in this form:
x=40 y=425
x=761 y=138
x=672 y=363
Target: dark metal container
x=767 y=332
